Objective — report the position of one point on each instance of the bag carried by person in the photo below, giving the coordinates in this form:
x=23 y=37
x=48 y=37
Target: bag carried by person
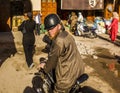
x=22 y=28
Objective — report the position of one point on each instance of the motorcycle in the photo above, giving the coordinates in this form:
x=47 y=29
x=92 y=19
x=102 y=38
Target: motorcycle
x=44 y=82
x=85 y=31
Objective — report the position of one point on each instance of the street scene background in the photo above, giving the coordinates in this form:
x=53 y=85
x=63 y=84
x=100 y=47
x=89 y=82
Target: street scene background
x=99 y=55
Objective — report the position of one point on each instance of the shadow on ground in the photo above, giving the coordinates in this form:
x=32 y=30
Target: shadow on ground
x=7 y=46
x=118 y=37
x=102 y=67
x=85 y=89
x=117 y=42
x=29 y=89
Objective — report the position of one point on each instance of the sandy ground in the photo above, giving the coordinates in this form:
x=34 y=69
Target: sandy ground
x=15 y=77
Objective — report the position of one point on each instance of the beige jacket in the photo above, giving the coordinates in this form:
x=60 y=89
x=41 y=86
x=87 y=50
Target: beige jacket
x=64 y=57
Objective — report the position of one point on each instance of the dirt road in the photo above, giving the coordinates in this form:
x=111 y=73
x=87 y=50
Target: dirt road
x=101 y=65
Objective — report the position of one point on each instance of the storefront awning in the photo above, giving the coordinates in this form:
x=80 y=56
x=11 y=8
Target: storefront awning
x=82 y=4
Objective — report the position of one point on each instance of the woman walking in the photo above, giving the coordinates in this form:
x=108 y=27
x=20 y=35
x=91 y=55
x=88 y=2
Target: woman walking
x=114 y=26
x=27 y=28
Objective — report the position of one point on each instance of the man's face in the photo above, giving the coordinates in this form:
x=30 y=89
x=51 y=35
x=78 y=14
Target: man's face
x=54 y=31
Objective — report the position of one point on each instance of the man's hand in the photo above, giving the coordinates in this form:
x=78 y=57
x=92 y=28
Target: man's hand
x=41 y=65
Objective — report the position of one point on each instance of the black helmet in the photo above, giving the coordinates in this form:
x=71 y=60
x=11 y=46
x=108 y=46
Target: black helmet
x=51 y=21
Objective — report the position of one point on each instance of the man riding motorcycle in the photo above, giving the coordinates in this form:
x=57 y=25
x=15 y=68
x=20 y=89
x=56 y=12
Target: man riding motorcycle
x=63 y=57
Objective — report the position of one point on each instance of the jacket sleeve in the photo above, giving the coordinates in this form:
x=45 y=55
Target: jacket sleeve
x=53 y=57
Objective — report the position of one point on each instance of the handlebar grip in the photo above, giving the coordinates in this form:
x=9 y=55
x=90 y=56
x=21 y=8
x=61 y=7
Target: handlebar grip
x=82 y=78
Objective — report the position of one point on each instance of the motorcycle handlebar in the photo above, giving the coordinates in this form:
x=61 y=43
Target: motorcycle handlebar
x=47 y=74
x=82 y=78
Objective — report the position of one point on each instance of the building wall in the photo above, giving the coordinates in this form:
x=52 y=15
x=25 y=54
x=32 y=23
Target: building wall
x=4 y=15
x=45 y=6
x=36 y=5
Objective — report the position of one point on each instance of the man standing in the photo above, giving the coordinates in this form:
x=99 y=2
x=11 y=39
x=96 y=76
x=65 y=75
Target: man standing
x=38 y=23
x=73 y=19
x=63 y=57
x=80 y=17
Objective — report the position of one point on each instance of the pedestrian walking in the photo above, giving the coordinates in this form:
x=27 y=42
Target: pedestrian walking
x=27 y=28
x=38 y=23
x=80 y=17
x=63 y=57
x=114 y=26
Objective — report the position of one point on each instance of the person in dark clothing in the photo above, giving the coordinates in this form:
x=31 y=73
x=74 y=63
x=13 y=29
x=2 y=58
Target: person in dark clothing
x=28 y=38
x=63 y=57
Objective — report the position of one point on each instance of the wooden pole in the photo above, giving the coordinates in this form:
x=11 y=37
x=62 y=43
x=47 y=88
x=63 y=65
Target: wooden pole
x=114 y=5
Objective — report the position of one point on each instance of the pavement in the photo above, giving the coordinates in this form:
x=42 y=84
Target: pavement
x=15 y=77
